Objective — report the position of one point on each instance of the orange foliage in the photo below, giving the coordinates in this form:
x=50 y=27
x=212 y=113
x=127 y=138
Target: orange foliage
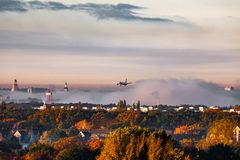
x=185 y=129
x=131 y=117
x=209 y=110
x=67 y=142
x=95 y=144
x=9 y=120
x=187 y=143
x=83 y=125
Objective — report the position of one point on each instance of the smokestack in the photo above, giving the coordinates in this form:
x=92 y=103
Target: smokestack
x=29 y=90
x=14 y=86
x=65 y=87
x=1 y=99
x=48 y=97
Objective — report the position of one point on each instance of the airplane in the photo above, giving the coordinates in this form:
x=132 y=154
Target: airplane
x=124 y=83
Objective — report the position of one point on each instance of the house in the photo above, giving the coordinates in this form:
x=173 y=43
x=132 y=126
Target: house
x=94 y=136
x=144 y=109
x=26 y=138
x=213 y=107
x=85 y=135
x=17 y=134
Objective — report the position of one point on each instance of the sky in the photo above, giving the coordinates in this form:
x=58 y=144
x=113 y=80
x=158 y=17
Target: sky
x=102 y=42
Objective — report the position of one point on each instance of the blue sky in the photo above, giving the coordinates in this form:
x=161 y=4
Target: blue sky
x=92 y=42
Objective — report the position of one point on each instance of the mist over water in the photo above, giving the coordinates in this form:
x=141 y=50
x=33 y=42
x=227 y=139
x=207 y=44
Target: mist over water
x=149 y=92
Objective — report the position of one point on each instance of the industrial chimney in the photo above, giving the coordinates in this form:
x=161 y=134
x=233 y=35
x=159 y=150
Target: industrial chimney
x=14 y=86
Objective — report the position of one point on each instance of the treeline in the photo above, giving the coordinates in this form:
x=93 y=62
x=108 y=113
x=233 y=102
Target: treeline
x=133 y=143
x=61 y=118
x=136 y=135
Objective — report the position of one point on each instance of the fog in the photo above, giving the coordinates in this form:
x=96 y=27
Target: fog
x=149 y=92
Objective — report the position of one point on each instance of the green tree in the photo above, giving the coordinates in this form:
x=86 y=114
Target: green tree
x=138 y=105
x=121 y=104
x=76 y=154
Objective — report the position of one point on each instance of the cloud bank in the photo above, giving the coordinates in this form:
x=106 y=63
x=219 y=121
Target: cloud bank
x=150 y=92
x=100 y=11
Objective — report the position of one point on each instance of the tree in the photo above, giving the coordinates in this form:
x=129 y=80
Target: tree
x=40 y=152
x=101 y=119
x=121 y=104
x=140 y=143
x=83 y=125
x=68 y=142
x=220 y=152
x=220 y=131
x=94 y=144
x=52 y=136
x=76 y=154
x=162 y=146
x=129 y=117
x=124 y=103
x=138 y=105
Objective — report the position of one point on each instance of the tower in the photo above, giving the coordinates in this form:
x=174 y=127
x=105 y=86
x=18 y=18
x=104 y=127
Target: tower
x=48 y=97
x=29 y=90
x=1 y=100
x=14 y=86
x=65 y=87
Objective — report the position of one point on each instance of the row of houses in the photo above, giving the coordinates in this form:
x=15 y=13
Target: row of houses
x=27 y=137
x=148 y=108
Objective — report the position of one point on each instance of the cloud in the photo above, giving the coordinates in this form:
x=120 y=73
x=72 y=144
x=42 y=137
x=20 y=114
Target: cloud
x=100 y=11
x=151 y=92
x=12 y=5
x=119 y=11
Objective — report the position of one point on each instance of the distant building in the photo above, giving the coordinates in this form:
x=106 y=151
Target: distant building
x=65 y=87
x=14 y=86
x=213 y=107
x=48 y=97
x=1 y=99
x=85 y=135
x=201 y=109
x=17 y=134
x=229 y=88
x=26 y=138
x=29 y=90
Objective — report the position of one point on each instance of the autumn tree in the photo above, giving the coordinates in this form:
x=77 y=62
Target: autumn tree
x=94 y=144
x=52 y=136
x=101 y=119
x=140 y=143
x=67 y=142
x=162 y=146
x=219 y=132
x=83 y=125
x=40 y=152
x=129 y=117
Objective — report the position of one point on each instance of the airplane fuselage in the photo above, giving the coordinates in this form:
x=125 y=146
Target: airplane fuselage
x=122 y=84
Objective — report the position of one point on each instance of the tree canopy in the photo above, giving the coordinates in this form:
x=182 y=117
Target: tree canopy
x=140 y=143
